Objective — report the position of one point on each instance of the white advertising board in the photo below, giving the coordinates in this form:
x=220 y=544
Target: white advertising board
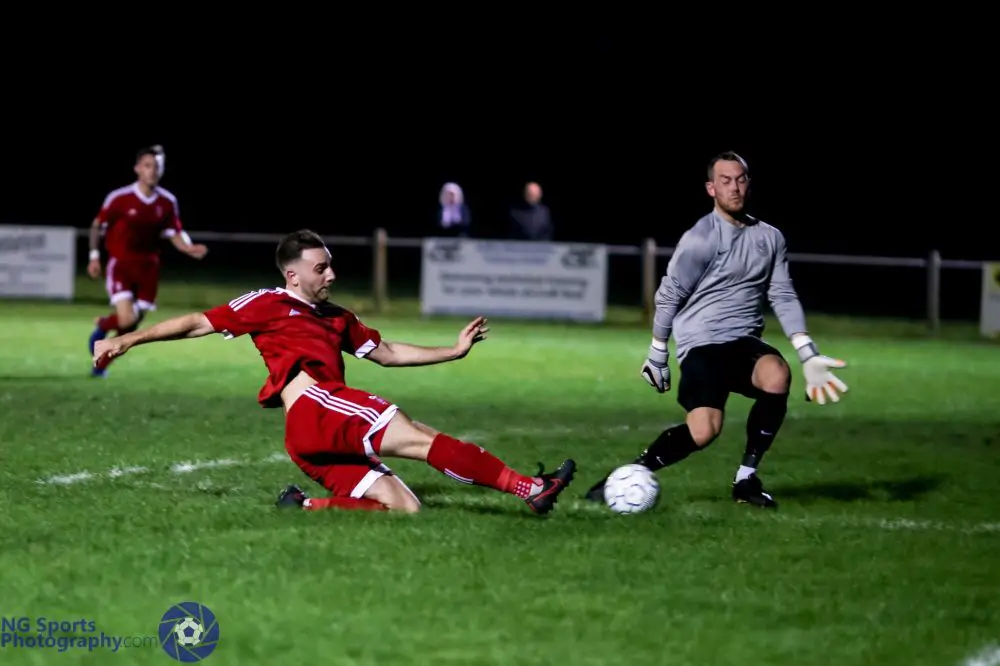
x=37 y=262
x=526 y=279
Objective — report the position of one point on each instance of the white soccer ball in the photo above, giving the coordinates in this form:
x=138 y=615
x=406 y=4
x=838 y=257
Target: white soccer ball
x=631 y=489
x=189 y=631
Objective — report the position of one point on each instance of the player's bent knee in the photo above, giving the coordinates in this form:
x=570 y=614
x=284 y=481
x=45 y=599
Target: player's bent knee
x=772 y=374
x=705 y=425
x=394 y=494
x=127 y=319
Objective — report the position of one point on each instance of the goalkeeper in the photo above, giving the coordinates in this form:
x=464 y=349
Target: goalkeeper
x=711 y=301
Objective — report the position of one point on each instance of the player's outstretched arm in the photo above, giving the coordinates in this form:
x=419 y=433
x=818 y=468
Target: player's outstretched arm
x=691 y=258
x=782 y=295
x=194 y=325
x=821 y=383
x=402 y=354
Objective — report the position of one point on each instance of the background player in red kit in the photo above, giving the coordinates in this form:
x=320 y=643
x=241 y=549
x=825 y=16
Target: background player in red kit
x=337 y=434
x=134 y=219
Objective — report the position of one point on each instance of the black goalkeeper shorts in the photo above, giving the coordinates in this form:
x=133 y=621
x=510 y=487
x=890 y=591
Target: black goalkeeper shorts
x=711 y=372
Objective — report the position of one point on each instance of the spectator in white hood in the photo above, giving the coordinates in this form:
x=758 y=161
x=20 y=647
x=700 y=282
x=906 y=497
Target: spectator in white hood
x=454 y=217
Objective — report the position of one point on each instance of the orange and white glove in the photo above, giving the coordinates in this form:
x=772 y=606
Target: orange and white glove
x=821 y=384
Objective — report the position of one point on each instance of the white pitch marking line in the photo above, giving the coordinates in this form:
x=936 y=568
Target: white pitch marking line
x=69 y=479
x=185 y=467
x=191 y=466
x=888 y=524
x=176 y=468
x=902 y=524
x=988 y=656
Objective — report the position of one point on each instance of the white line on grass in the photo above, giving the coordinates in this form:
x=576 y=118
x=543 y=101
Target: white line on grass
x=175 y=468
x=889 y=524
x=78 y=477
x=192 y=466
x=185 y=467
x=988 y=656
x=865 y=522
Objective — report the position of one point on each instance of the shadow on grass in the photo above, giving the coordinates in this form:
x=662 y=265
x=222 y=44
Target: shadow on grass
x=480 y=501
x=889 y=490
x=898 y=490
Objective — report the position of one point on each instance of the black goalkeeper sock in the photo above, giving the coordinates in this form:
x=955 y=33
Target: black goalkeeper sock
x=766 y=417
x=672 y=446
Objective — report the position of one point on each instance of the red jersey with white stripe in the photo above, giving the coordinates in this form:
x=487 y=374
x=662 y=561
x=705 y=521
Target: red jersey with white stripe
x=294 y=335
x=135 y=223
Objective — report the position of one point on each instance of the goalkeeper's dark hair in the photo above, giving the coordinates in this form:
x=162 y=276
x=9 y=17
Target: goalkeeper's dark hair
x=727 y=156
x=291 y=246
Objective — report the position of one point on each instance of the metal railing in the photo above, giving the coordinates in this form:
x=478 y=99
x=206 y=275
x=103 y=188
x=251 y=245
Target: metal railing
x=649 y=252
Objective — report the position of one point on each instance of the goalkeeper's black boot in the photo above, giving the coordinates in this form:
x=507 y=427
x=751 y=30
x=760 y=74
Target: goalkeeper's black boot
x=596 y=492
x=291 y=497
x=751 y=491
x=553 y=483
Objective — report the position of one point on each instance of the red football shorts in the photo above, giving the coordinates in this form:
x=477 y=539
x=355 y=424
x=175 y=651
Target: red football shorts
x=334 y=434
x=137 y=279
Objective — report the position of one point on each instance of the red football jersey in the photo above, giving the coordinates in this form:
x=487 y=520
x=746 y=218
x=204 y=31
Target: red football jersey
x=134 y=223
x=294 y=335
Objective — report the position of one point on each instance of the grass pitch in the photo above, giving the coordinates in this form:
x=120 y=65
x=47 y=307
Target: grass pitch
x=155 y=486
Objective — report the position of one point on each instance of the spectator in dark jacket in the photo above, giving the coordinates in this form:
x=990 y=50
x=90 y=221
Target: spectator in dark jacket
x=530 y=219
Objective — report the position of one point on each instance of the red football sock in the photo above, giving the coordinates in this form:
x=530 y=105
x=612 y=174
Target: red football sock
x=347 y=503
x=474 y=465
x=109 y=323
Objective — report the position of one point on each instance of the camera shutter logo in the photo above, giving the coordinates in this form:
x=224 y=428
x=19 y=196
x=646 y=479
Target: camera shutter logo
x=189 y=632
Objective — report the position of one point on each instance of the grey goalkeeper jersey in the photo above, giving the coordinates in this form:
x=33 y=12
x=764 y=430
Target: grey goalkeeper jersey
x=717 y=282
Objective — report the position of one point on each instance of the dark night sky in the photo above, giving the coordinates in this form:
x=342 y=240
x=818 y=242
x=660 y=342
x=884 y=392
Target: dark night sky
x=617 y=137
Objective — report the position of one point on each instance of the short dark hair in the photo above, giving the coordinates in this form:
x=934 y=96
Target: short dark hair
x=148 y=150
x=727 y=156
x=291 y=246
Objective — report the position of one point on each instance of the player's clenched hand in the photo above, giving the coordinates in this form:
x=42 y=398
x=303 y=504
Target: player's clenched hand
x=655 y=370
x=106 y=350
x=821 y=383
x=94 y=268
x=475 y=331
x=198 y=251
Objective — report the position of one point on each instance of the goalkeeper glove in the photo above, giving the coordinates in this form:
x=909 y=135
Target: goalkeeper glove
x=655 y=370
x=820 y=382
